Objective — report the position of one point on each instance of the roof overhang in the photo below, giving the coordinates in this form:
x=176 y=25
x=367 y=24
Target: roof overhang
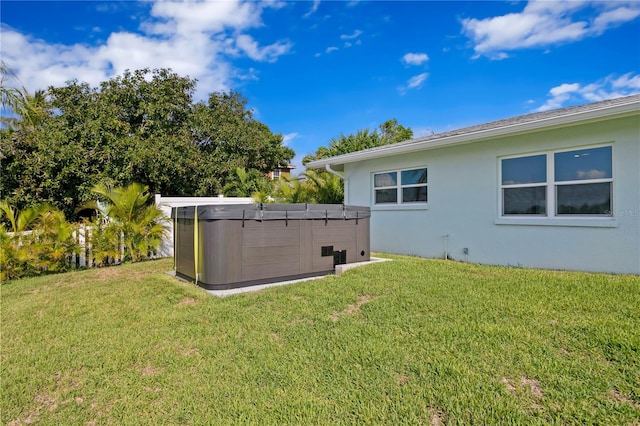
x=563 y=120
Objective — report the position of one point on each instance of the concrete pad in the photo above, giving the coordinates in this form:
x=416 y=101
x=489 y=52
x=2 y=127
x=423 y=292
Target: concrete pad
x=339 y=270
x=342 y=268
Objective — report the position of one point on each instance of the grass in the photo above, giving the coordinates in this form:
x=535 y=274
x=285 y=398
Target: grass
x=411 y=341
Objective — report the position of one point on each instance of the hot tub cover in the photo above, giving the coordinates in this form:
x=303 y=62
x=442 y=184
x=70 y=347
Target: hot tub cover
x=271 y=212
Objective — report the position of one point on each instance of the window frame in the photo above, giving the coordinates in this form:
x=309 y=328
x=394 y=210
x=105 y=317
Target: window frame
x=551 y=190
x=544 y=184
x=399 y=188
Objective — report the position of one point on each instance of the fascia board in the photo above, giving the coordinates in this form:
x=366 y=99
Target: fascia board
x=609 y=113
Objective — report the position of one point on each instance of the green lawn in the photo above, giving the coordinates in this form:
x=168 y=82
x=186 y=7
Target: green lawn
x=405 y=342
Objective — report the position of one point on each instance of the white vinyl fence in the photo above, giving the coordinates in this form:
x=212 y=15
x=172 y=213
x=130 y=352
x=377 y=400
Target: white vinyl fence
x=84 y=258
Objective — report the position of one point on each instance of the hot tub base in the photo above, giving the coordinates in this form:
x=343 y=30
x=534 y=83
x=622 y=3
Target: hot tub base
x=242 y=284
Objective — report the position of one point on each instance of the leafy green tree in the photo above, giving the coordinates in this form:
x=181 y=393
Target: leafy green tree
x=246 y=182
x=387 y=133
x=228 y=136
x=132 y=215
x=142 y=127
x=322 y=186
x=393 y=131
x=133 y=128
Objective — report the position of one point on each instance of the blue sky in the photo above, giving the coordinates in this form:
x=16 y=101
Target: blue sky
x=312 y=70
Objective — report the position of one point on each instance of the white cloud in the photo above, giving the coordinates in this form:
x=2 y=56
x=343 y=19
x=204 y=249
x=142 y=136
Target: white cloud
x=564 y=89
x=289 y=137
x=355 y=43
x=609 y=87
x=356 y=34
x=628 y=80
x=314 y=9
x=615 y=17
x=206 y=16
x=330 y=49
x=196 y=38
x=415 y=58
x=545 y=23
x=416 y=81
x=268 y=53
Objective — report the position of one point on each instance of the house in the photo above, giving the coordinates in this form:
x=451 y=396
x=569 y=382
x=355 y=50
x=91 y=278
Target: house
x=281 y=171
x=557 y=189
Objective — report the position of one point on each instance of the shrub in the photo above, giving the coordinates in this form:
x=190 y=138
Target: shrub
x=39 y=240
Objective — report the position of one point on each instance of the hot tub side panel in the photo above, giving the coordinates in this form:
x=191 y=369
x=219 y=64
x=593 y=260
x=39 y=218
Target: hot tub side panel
x=350 y=235
x=183 y=248
x=221 y=253
x=270 y=249
x=362 y=240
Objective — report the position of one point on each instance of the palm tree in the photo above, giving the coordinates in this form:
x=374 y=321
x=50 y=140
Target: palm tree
x=30 y=110
x=245 y=183
x=324 y=187
x=21 y=221
x=52 y=243
x=262 y=197
x=131 y=215
x=38 y=240
x=291 y=190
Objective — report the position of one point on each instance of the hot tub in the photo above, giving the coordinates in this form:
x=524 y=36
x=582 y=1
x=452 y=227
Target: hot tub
x=237 y=245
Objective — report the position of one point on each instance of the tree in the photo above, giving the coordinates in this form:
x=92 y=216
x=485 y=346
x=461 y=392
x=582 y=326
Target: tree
x=291 y=190
x=29 y=109
x=324 y=187
x=388 y=132
x=133 y=128
x=228 y=136
x=142 y=127
x=246 y=183
x=38 y=240
x=393 y=131
x=132 y=215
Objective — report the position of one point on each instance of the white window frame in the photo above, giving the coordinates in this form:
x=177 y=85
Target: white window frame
x=552 y=217
x=398 y=187
x=544 y=184
x=276 y=174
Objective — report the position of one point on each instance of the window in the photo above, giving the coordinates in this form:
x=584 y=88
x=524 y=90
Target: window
x=524 y=182
x=276 y=173
x=560 y=184
x=583 y=181
x=400 y=187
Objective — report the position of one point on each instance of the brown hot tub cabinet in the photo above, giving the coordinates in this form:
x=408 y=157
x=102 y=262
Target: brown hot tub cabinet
x=229 y=246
